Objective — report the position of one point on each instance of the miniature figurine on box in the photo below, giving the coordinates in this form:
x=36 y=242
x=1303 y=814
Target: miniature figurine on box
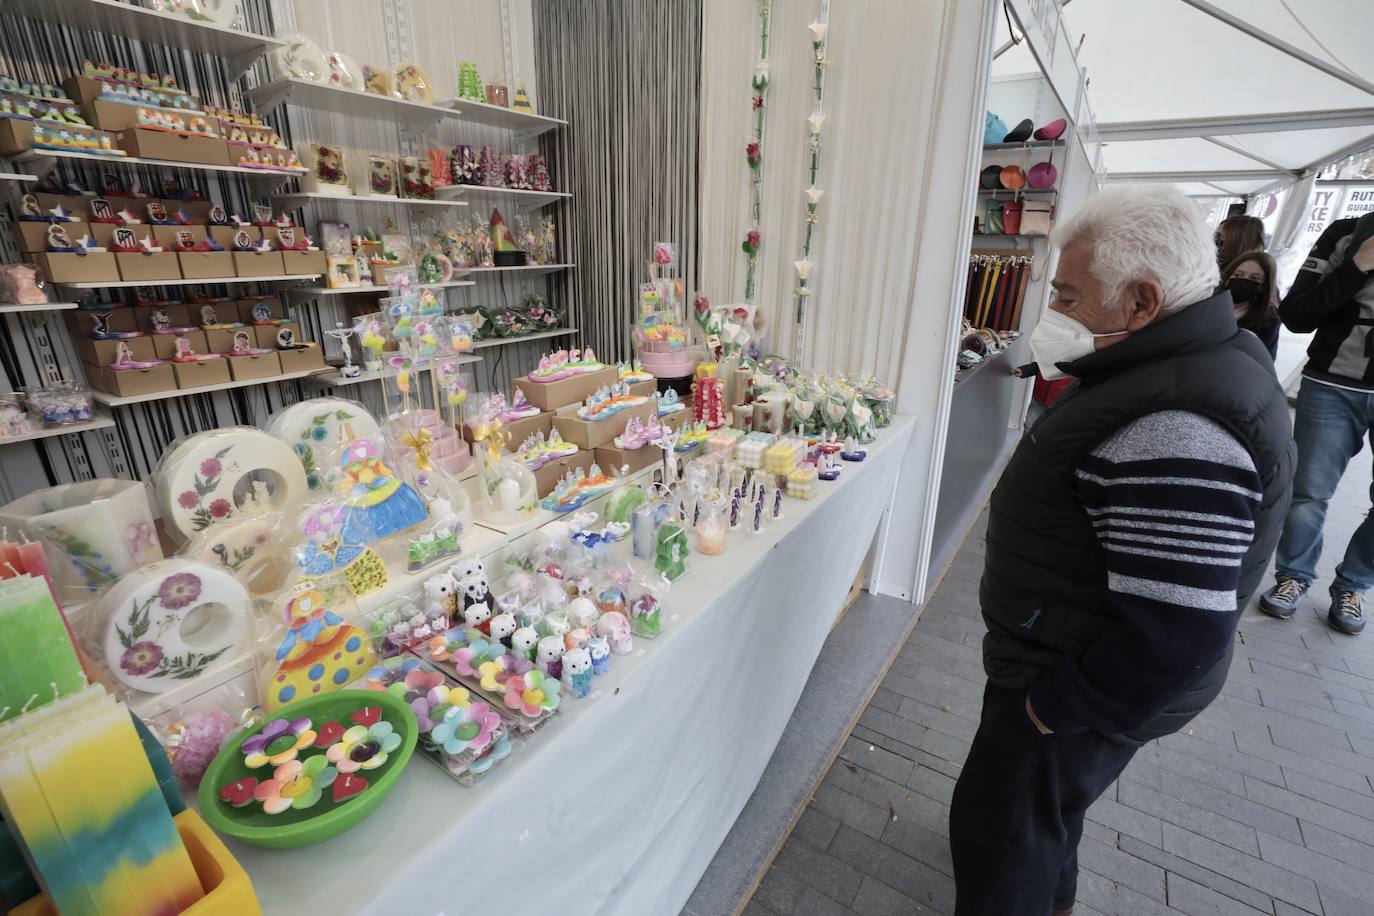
x=549 y=656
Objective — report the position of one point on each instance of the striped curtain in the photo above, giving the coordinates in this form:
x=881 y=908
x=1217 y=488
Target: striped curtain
x=627 y=77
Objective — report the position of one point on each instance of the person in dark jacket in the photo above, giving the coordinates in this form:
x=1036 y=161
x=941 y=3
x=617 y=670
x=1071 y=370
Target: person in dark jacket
x=1250 y=280
x=1130 y=525
x=1333 y=295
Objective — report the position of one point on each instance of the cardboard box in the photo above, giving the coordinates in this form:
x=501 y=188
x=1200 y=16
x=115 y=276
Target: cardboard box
x=275 y=307
x=31 y=235
x=520 y=430
x=221 y=340
x=77 y=203
x=82 y=321
x=204 y=265
x=102 y=352
x=166 y=344
x=552 y=395
x=225 y=235
x=303 y=262
x=177 y=314
x=198 y=211
x=172 y=146
x=258 y=264
x=677 y=420
x=67 y=267
x=591 y=434
x=309 y=359
x=266 y=334
x=249 y=367
x=167 y=235
x=612 y=459
x=16 y=136
x=205 y=372
x=108 y=115
x=547 y=477
x=162 y=265
x=648 y=388
x=130 y=382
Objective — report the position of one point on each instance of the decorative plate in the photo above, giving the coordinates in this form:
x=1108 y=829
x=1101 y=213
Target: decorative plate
x=300 y=57
x=344 y=72
x=312 y=770
x=412 y=84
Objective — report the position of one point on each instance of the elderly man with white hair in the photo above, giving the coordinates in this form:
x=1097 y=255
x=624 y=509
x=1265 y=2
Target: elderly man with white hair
x=1130 y=526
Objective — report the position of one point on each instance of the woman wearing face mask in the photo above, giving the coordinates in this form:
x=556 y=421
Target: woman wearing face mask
x=1250 y=278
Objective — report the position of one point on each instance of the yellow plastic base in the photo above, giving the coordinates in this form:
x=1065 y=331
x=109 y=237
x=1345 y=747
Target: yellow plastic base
x=228 y=892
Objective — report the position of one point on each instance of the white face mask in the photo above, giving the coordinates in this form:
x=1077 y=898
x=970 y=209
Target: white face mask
x=1060 y=339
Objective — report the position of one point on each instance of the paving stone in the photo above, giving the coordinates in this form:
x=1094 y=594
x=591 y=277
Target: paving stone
x=1222 y=884
x=886 y=700
x=815 y=903
x=1260 y=718
x=894 y=726
x=937 y=719
x=931 y=783
x=1264 y=876
x=816 y=827
x=754 y=908
x=1332 y=817
x=1300 y=759
x=847 y=808
x=819 y=870
x=779 y=890
x=921 y=843
x=915 y=879
x=877 y=899
x=1239 y=809
x=1109 y=897
x=1327 y=872
x=1162 y=807
x=1122 y=868
x=875 y=759
x=1196 y=900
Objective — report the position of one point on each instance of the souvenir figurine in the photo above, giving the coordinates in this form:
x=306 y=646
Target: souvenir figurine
x=646 y=616
x=549 y=656
x=524 y=642
x=670 y=556
x=777 y=503
x=614 y=626
x=502 y=628
x=316 y=638
x=599 y=648
x=577 y=672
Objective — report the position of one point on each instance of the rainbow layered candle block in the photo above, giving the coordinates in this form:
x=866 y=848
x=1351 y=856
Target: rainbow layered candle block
x=81 y=797
x=609 y=401
x=536 y=451
x=38 y=662
x=565 y=364
x=749 y=451
x=801 y=482
x=782 y=456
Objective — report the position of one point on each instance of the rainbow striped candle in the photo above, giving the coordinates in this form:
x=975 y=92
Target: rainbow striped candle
x=75 y=785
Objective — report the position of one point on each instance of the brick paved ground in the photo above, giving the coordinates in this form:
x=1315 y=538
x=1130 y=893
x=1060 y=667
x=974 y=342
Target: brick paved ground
x=1264 y=805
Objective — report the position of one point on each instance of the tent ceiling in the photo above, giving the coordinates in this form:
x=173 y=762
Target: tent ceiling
x=1167 y=61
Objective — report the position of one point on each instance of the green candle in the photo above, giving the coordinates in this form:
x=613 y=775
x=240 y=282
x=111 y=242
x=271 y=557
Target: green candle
x=39 y=660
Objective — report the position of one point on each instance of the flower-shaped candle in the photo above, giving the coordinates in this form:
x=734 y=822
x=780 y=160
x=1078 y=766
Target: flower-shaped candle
x=280 y=741
x=295 y=785
x=532 y=693
x=364 y=747
x=465 y=729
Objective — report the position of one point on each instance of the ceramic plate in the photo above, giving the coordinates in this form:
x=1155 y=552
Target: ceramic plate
x=412 y=84
x=300 y=57
x=344 y=72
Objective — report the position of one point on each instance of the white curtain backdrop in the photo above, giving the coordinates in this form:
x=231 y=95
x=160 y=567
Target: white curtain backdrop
x=880 y=92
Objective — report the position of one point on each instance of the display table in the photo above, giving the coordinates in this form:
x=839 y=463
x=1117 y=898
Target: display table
x=620 y=802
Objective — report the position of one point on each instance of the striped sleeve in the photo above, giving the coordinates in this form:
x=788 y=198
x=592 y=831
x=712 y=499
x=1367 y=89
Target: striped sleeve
x=1172 y=497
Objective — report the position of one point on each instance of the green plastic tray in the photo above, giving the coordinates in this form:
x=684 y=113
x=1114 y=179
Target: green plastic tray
x=326 y=819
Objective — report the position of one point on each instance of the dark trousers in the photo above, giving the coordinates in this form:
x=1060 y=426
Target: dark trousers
x=1017 y=813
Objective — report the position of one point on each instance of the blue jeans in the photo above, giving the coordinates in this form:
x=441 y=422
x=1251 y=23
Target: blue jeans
x=1330 y=428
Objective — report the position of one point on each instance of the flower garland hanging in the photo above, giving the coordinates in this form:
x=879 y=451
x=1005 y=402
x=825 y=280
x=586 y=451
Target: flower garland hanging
x=753 y=152
x=814 y=121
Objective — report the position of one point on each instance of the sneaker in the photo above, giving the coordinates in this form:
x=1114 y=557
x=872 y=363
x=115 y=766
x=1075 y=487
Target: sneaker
x=1283 y=599
x=1346 y=614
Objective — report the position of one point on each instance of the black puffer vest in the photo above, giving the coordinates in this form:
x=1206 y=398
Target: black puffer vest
x=1042 y=552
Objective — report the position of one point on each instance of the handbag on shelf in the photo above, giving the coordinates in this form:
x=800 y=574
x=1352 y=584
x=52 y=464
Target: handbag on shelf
x=1037 y=217
x=1011 y=217
x=992 y=218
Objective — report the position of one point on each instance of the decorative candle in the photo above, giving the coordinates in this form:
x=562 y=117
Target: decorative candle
x=710 y=532
x=643 y=531
x=40 y=661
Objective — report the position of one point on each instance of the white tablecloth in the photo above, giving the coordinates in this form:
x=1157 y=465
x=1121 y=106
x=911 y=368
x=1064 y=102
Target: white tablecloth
x=618 y=805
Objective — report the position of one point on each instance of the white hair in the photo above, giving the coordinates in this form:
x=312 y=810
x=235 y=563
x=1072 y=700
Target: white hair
x=1145 y=232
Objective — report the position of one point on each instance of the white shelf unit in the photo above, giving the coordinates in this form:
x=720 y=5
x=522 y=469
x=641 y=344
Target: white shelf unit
x=10 y=308
x=228 y=281
x=114 y=400
x=43 y=161
x=294 y=201
x=323 y=97
x=517 y=196
x=336 y=380
x=99 y=421
x=524 y=124
x=306 y=292
x=175 y=30
x=525 y=338
x=533 y=270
